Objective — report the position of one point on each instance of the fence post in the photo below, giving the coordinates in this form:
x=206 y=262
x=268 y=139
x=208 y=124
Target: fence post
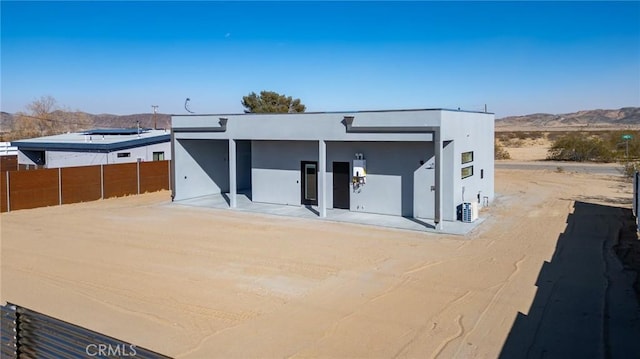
x=59 y=186
x=8 y=195
x=169 y=170
x=101 y=181
x=138 y=174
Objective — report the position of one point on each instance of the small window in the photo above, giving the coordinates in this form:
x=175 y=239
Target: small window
x=481 y=174
x=467 y=171
x=124 y=154
x=467 y=157
x=158 y=156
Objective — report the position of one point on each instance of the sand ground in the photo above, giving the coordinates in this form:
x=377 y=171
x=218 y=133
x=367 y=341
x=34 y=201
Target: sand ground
x=204 y=283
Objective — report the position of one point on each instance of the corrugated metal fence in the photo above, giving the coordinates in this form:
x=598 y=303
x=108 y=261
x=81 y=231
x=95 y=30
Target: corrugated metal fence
x=57 y=186
x=29 y=334
x=9 y=347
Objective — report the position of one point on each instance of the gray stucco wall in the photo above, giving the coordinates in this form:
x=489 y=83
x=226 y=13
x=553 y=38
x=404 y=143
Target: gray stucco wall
x=145 y=153
x=55 y=159
x=396 y=182
x=275 y=174
x=471 y=132
x=71 y=159
x=308 y=126
x=201 y=168
x=393 y=174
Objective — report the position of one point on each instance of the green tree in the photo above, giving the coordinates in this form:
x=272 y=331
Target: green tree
x=271 y=102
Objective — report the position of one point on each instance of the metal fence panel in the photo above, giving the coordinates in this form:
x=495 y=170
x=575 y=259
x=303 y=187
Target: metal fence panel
x=49 y=187
x=35 y=335
x=33 y=189
x=636 y=197
x=9 y=340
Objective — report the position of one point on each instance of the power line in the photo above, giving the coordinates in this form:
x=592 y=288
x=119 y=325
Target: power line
x=155 y=121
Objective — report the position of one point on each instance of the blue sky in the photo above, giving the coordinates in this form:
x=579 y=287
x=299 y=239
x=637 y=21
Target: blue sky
x=516 y=57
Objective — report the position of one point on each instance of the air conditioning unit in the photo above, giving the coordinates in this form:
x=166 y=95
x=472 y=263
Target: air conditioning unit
x=469 y=212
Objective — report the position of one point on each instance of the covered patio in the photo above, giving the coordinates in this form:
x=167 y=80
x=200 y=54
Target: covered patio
x=244 y=203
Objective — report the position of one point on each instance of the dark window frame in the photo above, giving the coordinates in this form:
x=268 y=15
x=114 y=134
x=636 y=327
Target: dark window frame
x=462 y=157
x=468 y=175
x=124 y=154
x=159 y=154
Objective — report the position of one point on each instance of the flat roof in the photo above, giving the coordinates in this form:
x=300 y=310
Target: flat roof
x=99 y=140
x=116 y=131
x=330 y=112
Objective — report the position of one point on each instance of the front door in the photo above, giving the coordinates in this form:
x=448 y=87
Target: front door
x=309 y=183
x=341 y=183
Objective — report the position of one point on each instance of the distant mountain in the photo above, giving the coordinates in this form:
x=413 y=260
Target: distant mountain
x=103 y=120
x=620 y=118
x=6 y=122
x=146 y=120
x=627 y=117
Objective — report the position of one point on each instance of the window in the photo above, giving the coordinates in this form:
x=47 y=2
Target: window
x=481 y=174
x=124 y=154
x=158 y=156
x=467 y=157
x=467 y=171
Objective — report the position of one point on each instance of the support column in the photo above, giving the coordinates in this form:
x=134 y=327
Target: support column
x=232 y=174
x=8 y=193
x=101 y=181
x=138 y=174
x=172 y=167
x=437 y=143
x=59 y=186
x=322 y=178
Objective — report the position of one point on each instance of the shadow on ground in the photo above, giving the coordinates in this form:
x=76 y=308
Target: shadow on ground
x=585 y=305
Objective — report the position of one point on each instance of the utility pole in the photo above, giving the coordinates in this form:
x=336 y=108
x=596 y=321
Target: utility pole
x=155 y=122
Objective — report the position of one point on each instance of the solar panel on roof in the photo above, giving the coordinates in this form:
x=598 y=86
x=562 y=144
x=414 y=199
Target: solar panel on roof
x=116 y=131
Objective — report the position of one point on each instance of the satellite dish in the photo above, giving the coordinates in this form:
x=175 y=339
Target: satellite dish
x=186 y=105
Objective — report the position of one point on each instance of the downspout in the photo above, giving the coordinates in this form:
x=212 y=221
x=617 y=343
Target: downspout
x=437 y=144
x=172 y=167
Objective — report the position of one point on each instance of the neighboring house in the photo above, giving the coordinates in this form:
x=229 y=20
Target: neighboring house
x=411 y=163
x=8 y=157
x=95 y=147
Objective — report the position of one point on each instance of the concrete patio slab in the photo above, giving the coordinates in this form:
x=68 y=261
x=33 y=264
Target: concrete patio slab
x=244 y=203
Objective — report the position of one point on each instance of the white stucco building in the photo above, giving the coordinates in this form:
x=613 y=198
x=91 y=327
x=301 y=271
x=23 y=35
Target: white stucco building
x=410 y=163
x=95 y=147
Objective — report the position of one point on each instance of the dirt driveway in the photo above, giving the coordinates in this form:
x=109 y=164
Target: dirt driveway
x=204 y=283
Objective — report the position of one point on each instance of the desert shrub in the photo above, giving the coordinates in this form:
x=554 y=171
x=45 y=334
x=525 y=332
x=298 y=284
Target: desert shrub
x=619 y=146
x=533 y=135
x=506 y=136
x=580 y=148
x=536 y=135
x=555 y=135
x=515 y=142
x=500 y=153
x=519 y=135
x=630 y=168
